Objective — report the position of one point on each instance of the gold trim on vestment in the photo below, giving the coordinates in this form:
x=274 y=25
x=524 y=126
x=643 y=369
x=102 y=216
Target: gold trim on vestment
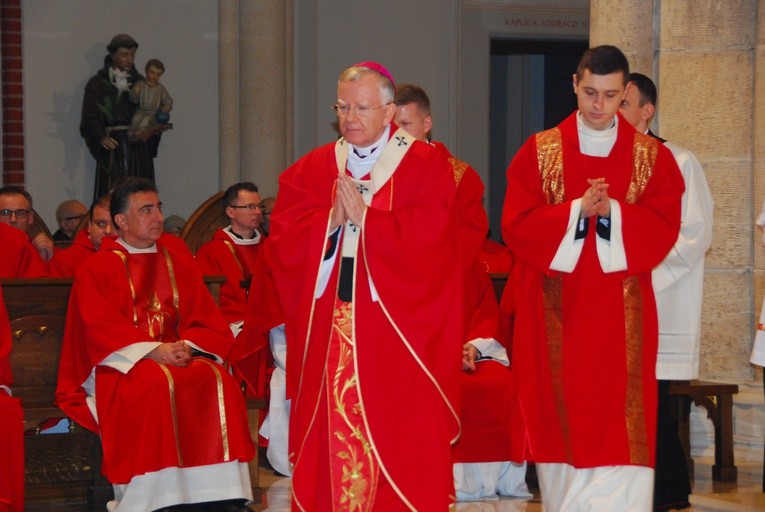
x=425 y=370
x=550 y=161
x=459 y=167
x=306 y=345
x=553 y=310
x=634 y=403
x=221 y=407
x=173 y=411
x=173 y=284
x=230 y=246
x=123 y=256
x=644 y=151
x=381 y=173
x=358 y=483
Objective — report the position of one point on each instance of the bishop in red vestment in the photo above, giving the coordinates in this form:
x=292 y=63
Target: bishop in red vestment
x=141 y=365
x=363 y=240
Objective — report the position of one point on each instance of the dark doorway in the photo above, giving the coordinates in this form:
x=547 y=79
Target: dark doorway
x=530 y=90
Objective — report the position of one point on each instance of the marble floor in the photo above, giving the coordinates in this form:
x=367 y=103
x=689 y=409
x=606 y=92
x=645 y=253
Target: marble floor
x=708 y=496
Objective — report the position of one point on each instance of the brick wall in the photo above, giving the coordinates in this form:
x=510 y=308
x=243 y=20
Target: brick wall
x=13 y=92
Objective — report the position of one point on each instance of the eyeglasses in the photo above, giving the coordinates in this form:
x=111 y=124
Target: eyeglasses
x=259 y=206
x=76 y=217
x=20 y=214
x=344 y=110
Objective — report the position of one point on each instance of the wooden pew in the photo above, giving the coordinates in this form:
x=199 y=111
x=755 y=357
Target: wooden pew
x=59 y=468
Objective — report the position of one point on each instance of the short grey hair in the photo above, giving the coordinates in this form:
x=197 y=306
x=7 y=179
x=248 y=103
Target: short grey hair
x=354 y=73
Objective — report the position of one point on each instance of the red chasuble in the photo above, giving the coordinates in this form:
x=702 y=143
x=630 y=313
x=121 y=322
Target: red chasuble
x=221 y=256
x=18 y=257
x=251 y=355
x=585 y=342
x=489 y=399
x=473 y=222
x=406 y=352
x=496 y=257
x=154 y=416
x=65 y=262
x=11 y=428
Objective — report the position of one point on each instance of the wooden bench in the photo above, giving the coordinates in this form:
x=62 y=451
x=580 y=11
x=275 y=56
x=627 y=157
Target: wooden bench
x=58 y=468
x=717 y=399
x=63 y=468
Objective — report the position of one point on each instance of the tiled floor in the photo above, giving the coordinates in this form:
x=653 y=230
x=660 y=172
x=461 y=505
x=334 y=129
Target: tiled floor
x=708 y=496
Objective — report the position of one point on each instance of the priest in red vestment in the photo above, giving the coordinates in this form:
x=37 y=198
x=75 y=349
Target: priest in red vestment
x=364 y=246
x=141 y=365
x=591 y=208
x=232 y=251
x=11 y=426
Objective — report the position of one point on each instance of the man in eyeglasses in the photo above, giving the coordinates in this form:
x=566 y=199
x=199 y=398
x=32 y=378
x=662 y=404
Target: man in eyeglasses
x=87 y=241
x=16 y=211
x=68 y=216
x=363 y=245
x=232 y=251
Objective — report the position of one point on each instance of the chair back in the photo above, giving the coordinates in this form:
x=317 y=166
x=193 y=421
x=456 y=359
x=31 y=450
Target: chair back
x=205 y=221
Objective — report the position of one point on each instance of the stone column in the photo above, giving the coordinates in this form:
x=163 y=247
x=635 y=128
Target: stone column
x=759 y=160
x=263 y=91
x=629 y=25
x=228 y=92
x=706 y=102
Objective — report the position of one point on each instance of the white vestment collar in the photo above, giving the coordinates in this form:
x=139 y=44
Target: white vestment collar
x=137 y=250
x=255 y=240
x=596 y=142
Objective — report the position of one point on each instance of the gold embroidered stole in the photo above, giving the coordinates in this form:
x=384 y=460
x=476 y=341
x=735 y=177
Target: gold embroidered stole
x=154 y=293
x=551 y=172
x=232 y=249
x=354 y=469
x=155 y=296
